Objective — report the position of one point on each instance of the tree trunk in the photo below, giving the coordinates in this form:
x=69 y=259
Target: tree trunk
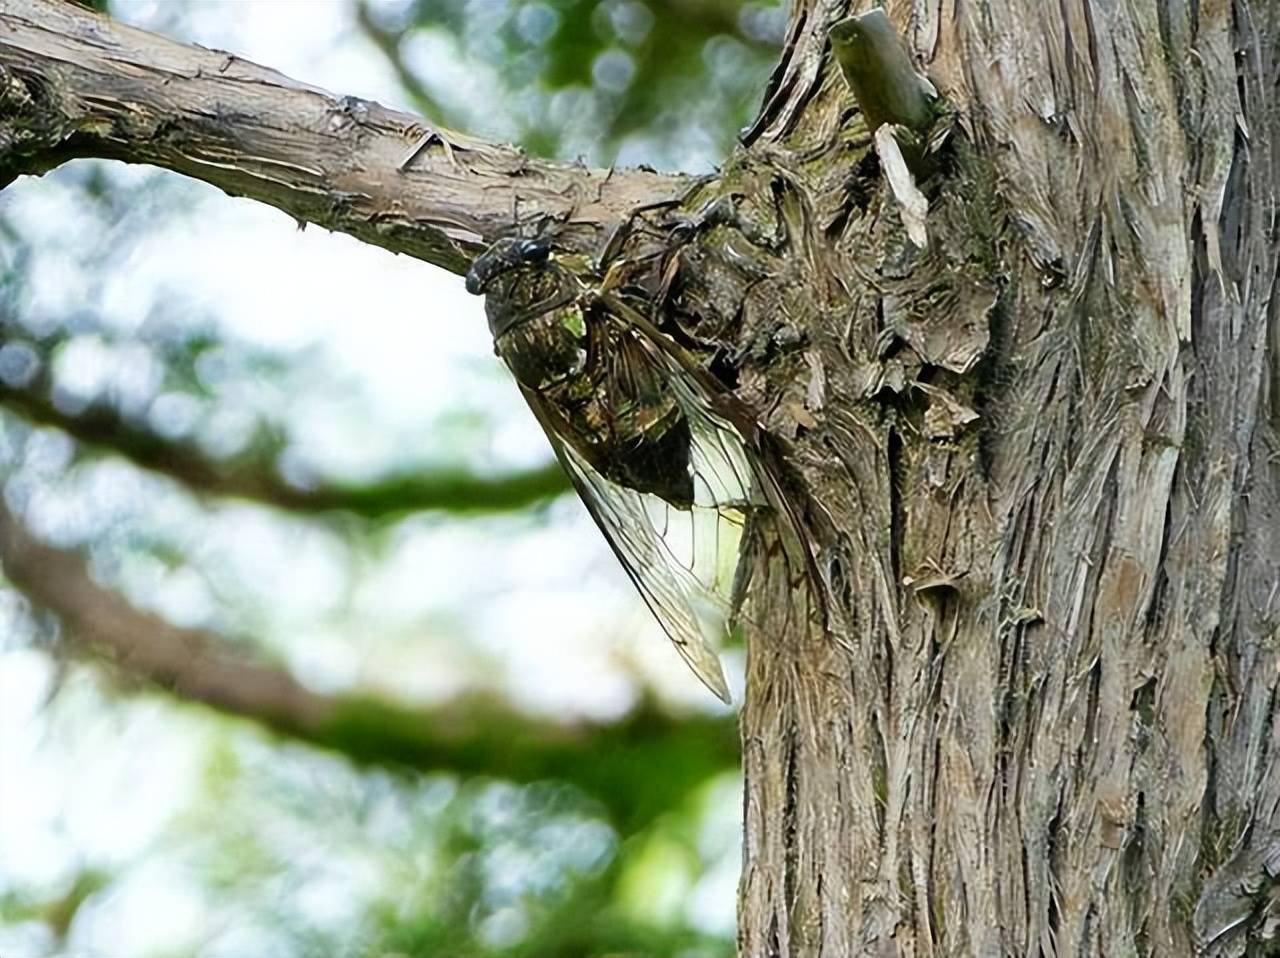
x=1040 y=722
x=1027 y=708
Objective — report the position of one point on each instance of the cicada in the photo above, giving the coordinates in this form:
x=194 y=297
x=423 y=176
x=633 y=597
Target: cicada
x=642 y=431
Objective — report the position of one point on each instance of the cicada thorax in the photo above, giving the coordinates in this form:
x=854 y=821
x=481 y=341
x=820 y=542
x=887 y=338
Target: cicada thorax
x=611 y=401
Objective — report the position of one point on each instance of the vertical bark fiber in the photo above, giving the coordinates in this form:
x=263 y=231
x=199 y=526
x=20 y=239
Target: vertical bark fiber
x=1040 y=722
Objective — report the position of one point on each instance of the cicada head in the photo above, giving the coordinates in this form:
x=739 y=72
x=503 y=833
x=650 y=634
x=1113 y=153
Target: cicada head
x=520 y=280
x=502 y=257
x=534 y=306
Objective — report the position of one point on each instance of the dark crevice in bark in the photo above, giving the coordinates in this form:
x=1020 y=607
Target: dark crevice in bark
x=992 y=378
x=1088 y=944
x=775 y=93
x=897 y=514
x=1155 y=608
x=1235 y=196
x=937 y=915
x=1142 y=705
x=1053 y=854
x=1265 y=731
x=1027 y=878
x=1210 y=854
x=1133 y=863
x=1273 y=324
x=790 y=813
x=879 y=773
x=1093 y=685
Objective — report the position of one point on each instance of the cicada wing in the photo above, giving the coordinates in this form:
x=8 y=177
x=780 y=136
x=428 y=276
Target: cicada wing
x=720 y=426
x=661 y=548
x=723 y=475
x=680 y=560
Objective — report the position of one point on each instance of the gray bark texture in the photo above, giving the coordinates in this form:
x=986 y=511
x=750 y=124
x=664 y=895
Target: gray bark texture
x=1026 y=708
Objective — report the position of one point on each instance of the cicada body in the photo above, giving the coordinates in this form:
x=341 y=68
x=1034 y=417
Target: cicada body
x=618 y=413
x=666 y=477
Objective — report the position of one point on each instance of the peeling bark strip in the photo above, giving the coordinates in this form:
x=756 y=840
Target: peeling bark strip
x=1040 y=461
x=74 y=84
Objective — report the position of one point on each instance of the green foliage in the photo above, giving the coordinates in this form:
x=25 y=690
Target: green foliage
x=399 y=827
x=658 y=81
x=435 y=865
x=58 y=910
x=618 y=767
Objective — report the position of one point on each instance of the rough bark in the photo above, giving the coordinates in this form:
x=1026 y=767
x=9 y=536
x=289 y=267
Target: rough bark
x=1028 y=708
x=1040 y=719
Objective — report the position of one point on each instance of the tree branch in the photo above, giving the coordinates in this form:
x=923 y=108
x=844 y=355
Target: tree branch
x=255 y=476
x=614 y=763
x=74 y=83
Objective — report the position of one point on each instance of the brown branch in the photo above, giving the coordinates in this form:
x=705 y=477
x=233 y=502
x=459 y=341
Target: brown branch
x=255 y=477
x=614 y=763
x=74 y=83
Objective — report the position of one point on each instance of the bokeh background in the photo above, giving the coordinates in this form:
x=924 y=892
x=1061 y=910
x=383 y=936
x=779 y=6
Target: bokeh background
x=304 y=649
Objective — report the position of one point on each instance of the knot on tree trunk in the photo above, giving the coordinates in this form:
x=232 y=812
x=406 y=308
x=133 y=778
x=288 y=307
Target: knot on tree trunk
x=28 y=122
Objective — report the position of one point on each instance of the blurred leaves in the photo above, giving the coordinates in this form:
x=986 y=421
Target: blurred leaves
x=171 y=392
x=254 y=473
x=614 y=761
x=58 y=911
x=663 y=82
x=363 y=822
x=422 y=866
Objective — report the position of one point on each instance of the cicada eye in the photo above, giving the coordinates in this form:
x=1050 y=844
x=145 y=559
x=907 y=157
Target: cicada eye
x=532 y=251
x=846 y=31
x=502 y=257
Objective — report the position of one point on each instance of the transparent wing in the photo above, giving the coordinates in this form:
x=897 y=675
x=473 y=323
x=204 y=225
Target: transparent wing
x=682 y=561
